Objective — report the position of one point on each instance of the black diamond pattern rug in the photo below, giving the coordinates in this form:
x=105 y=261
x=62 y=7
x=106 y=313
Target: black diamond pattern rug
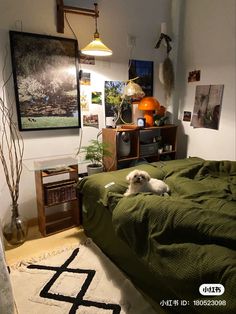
x=79 y=280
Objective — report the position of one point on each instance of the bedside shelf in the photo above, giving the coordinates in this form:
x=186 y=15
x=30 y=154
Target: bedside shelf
x=168 y=133
x=57 y=201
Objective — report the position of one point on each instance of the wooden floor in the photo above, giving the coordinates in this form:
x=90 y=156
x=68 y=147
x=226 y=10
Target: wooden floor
x=36 y=244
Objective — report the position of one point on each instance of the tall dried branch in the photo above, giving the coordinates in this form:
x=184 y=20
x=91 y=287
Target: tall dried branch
x=11 y=151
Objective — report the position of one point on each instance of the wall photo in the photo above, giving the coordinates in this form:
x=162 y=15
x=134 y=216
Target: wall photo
x=115 y=105
x=46 y=81
x=207 y=106
x=144 y=71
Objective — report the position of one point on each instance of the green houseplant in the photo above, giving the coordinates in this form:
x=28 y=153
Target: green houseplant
x=95 y=152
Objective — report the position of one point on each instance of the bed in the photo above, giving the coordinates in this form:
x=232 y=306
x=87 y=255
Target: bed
x=170 y=245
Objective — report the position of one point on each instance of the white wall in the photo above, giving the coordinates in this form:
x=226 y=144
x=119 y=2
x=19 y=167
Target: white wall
x=207 y=43
x=117 y=20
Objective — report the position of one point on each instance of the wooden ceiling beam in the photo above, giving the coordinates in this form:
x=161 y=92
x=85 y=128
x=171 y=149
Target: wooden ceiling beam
x=62 y=9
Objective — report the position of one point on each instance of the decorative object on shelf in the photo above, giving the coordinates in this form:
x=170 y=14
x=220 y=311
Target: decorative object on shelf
x=159 y=117
x=95 y=153
x=160 y=121
x=149 y=105
x=141 y=122
x=161 y=111
x=136 y=113
x=118 y=99
x=131 y=91
x=124 y=145
x=11 y=155
x=110 y=122
x=96 y=47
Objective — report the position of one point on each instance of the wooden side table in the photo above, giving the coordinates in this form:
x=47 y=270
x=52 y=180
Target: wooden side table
x=57 y=200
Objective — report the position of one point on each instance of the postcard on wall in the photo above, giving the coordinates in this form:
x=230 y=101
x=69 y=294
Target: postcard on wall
x=85 y=78
x=96 y=98
x=207 y=106
x=187 y=116
x=84 y=100
x=91 y=120
x=86 y=59
x=194 y=76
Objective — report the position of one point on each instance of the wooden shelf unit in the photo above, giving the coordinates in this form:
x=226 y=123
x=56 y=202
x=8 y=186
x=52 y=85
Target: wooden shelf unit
x=55 y=195
x=168 y=134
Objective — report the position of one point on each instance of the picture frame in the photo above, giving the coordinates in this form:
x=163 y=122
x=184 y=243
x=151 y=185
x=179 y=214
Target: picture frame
x=115 y=107
x=207 y=106
x=143 y=70
x=46 y=81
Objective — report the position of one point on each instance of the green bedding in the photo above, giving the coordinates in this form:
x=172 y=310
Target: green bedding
x=170 y=245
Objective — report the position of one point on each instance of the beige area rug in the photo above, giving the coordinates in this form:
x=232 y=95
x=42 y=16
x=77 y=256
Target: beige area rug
x=75 y=280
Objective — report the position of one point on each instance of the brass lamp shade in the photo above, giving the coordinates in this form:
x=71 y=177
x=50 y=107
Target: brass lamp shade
x=148 y=105
x=96 y=48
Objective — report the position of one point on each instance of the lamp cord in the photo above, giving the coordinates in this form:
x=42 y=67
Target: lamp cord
x=70 y=27
x=81 y=129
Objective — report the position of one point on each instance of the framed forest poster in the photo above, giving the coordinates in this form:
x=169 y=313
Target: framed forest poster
x=45 y=72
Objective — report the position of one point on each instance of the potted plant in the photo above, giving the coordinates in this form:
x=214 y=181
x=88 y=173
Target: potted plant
x=95 y=153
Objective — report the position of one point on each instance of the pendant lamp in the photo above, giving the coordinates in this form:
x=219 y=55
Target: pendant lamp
x=96 y=47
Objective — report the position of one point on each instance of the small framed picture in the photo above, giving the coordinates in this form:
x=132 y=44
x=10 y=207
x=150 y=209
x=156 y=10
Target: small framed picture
x=141 y=122
x=187 y=116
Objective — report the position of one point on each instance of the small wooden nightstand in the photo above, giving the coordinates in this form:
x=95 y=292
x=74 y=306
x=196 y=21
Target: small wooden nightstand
x=57 y=200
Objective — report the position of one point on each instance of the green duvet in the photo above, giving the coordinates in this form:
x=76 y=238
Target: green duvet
x=183 y=240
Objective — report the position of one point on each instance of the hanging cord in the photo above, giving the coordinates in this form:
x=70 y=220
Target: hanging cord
x=119 y=110
x=69 y=25
x=81 y=129
x=67 y=21
x=96 y=34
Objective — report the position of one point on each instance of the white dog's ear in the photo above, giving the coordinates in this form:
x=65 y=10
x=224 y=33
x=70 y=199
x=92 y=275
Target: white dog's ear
x=147 y=176
x=129 y=176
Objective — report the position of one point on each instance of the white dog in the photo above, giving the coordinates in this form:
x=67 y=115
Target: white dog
x=140 y=181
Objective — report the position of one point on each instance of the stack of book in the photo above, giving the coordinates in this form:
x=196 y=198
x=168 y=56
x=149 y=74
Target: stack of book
x=58 y=192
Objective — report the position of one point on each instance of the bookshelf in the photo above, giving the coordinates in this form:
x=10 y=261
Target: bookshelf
x=57 y=200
